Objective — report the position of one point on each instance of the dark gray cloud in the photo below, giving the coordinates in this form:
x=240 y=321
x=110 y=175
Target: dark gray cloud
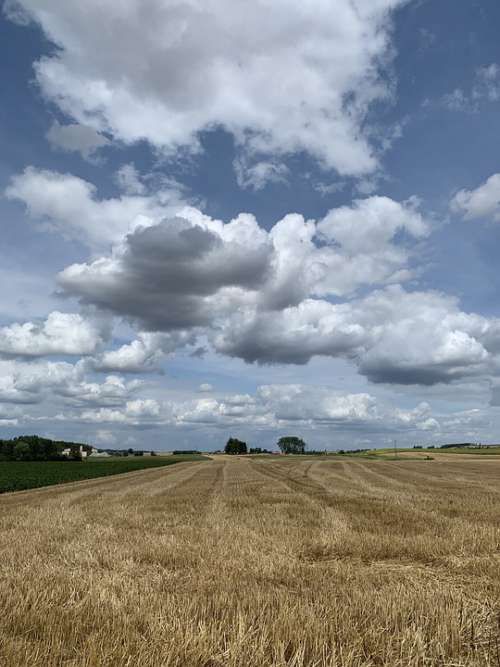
x=174 y=275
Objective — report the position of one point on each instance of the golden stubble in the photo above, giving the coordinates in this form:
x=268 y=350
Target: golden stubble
x=256 y=562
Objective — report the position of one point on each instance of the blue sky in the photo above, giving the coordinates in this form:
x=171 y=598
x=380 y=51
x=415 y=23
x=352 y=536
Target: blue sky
x=221 y=219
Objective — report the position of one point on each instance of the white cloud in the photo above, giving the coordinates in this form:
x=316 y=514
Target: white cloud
x=75 y=137
x=61 y=382
x=256 y=176
x=143 y=354
x=140 y=355
x=129 y=180
x=488 y=82
x=113 y=391
x=458 y=100
x=60 y=333
x=70 y=206
x=318 y=404
x=140 y=411
x=205 y=387
x=273 y=407
x=10 y=392
x=105 y=438
x=486 y=88
x=325 y=189
x=482 y=202
x=281 y=77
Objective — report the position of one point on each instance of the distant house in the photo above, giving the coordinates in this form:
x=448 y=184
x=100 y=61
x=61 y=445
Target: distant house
x=99 y=455
x=71 y=451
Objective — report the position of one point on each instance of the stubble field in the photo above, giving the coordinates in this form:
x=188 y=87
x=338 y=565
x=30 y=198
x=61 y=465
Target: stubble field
x=256 y=562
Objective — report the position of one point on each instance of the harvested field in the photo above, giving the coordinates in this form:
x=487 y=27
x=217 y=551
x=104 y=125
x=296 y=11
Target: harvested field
x=256 y=562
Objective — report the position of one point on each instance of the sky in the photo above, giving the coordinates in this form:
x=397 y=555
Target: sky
x=230 y=219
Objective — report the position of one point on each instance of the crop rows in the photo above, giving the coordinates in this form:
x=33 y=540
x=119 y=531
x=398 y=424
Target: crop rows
x=21 y=475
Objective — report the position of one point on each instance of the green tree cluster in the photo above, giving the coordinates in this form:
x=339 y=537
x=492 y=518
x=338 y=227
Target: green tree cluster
x=35 y=448
x=290 y=444
x=235 y=446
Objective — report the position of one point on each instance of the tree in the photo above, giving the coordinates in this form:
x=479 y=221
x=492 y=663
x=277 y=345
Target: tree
x=21 y=451
x=235 y=446
x=291 y=445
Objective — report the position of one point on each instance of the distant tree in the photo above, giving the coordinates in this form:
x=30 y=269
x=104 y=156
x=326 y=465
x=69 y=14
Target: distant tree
x=291 y=445
x=235 y=446
x=22 y=451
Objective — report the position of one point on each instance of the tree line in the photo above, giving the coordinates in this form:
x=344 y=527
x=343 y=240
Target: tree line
x=35 y=448
x=287 y=445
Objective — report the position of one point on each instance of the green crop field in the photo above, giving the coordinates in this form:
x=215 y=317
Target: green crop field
x=21 y=475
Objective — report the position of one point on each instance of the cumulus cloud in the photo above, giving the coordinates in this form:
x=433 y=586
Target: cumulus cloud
x=60 y=333
x=296 y=402
x=281 y=77
x=70 y=206
x=424 y=338
x=392 y=335
x=75 y=137
x=62 y=382
x=267 y=296
x=482 y=202
x=113 y=391
x=282 y=295
x=191 y=270
x=143 y=354
x=11 y=393
x=137 y=412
